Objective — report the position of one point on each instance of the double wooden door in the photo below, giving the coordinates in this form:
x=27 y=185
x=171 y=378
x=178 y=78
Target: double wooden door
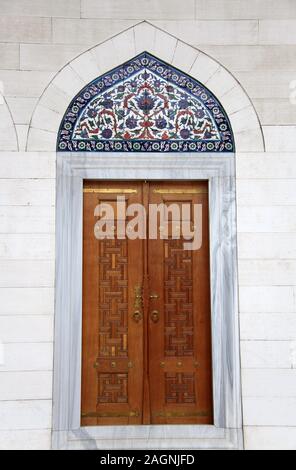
x=146 y=346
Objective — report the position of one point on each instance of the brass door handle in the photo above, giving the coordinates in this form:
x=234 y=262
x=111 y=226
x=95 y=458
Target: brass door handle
x=137 y=316
x=154 y=316
x=138 y=297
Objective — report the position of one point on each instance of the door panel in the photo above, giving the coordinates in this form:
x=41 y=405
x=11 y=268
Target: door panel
x=155 y=366
x=180 y=346
x=112 y=366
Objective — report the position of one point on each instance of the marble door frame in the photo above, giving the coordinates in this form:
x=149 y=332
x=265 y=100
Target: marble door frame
x=219 y=170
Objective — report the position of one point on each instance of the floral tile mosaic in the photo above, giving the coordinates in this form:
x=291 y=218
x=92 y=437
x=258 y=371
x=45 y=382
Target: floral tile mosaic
x=145 y=105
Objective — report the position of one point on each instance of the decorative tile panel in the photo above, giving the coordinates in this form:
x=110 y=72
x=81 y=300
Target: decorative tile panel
x=145 y=105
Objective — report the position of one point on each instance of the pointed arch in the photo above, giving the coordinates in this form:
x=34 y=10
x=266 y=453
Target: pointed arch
x=53 y=108
x=99 y=60
x=145 y=105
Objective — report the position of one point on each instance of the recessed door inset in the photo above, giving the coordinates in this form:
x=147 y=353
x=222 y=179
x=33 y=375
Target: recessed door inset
x=146 y=355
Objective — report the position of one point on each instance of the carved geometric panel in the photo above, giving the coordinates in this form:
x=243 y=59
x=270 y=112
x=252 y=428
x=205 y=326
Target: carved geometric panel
x=179 y=388
x=113 y=388
x=113 y=298
x=178 y=299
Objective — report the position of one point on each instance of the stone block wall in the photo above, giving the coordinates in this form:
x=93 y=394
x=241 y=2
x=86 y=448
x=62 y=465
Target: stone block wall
x=256 y=41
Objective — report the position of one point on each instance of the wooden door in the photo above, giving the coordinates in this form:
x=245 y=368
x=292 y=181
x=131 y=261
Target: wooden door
x=146 y=352
x=180 y=370
x=112 y=343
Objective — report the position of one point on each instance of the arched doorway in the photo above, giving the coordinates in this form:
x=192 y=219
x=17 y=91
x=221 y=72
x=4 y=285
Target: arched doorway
x=146 y=307
x=155 y=159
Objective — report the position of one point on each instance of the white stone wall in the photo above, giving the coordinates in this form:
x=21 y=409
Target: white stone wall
x=256 y=41
x=27 y=197
x=266 y=190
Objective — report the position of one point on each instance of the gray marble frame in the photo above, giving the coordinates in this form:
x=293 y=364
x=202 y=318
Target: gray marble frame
x=72 y=169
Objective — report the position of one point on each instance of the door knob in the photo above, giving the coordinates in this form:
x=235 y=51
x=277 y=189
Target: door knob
x=137 y=316
x=154 y=316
